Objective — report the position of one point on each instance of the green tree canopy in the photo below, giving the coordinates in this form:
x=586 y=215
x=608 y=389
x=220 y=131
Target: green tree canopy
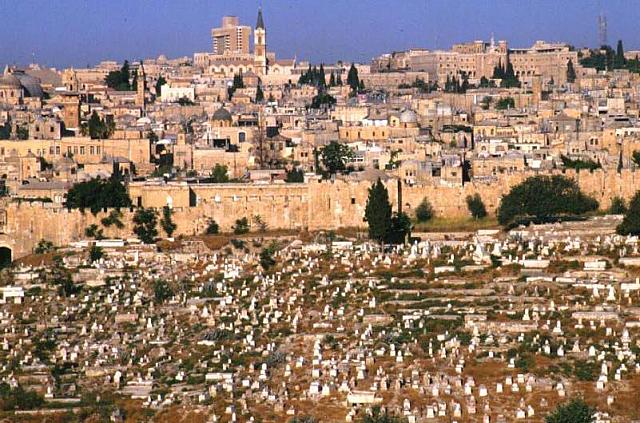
x=544 y=197
x=212 y=227
x=267 y=256
x=424 y=211
x=618 y=206
x=377 y=416
x=167 y=223
x=145 y=222
x=505 y=103
x=378 y=212
x=241 y=227
x=630 y=224
x=295 y=176
x=476 y=206
x=619 y=60
x=97 y=194
x=335 y=156
x=220 y=174
x=574 y=411
x=353 y=80
x=159 y=83
x=322 y=99
x=259 y=94
x=119 y=79
x=98 y=128
x=400 y=229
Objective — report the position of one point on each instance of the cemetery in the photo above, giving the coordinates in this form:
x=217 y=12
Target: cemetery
x=486 y=326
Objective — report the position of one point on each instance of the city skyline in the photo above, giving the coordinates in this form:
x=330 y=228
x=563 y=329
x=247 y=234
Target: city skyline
x=93 y=31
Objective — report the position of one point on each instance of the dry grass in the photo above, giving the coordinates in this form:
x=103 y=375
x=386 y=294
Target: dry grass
x=441 y=224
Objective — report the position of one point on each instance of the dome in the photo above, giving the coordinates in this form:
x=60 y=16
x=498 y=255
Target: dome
x=222 y=114
x=30 y=84
x=408 y=116
x=8 y=80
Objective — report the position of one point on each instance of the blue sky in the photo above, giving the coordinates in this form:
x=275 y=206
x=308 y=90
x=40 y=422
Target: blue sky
x=79 y=32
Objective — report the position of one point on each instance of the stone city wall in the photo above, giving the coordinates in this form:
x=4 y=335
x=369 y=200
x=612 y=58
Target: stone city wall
x=315 y=205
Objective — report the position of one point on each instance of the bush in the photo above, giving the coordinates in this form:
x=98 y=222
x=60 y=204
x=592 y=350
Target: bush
x=212 y=227
x=630 y=224
x=220 y=174
x=618 y=206
x=43 y=247
x=93 y=231
x=267 y=259
x=378 y=416
x=505 y=103
x=424 y=211
x=295 y=176
x=579 y=164
x=241 y=226
x=587 y=371
x=574 y=411
x=162 y=291
x=95 y=253
x=476 y=206
x=544 y=197
x=114 y=218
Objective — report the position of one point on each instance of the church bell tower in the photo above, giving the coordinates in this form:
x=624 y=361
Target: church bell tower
x=141 y=87
x=260 y=45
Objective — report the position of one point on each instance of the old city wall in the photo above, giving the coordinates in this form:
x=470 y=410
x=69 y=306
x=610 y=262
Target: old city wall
x=312 y=206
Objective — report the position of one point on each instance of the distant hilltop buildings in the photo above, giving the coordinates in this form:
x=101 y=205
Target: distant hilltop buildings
x=231 y=51
x=479 y=59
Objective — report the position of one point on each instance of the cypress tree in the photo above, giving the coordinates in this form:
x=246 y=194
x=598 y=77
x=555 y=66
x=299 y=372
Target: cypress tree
x=259 y=94
x=378 y=212
x=571 y=72
x=352 y=78
x=619 y=61
x=332 y=80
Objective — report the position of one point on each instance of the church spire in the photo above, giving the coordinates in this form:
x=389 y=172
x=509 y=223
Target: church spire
x=260 y=23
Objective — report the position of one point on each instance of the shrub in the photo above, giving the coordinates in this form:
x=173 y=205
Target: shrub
x=618 y=206
x=114 y=218
x=162 y=291
x=93 y=231
x=424 y=211
x=574 y=411
x=212 y=227
x=476 y=206
x=95 y=253
x=241 y=226
x=43 y=247
x=267 y=259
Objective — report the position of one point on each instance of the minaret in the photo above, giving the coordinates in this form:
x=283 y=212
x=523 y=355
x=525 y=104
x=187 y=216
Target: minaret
x=260 y=45
x=140 y=88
